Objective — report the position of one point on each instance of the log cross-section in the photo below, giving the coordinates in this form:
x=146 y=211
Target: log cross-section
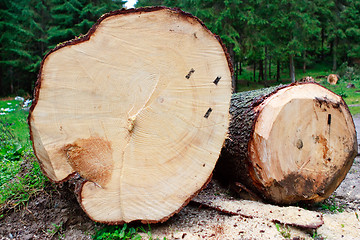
x=289 y=143
x=132 y=108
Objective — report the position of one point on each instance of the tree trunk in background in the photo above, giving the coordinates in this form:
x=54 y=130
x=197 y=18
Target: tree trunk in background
x=288 y=143
x=278 y=70
x=261 y=70
x=254 y=71
x=322 y=43
x=334 y=53
x=270 y=77
x=292 y=69
x=11 y=80
x=236 y=75
x=304 y=63
x=265 y=64
x=140 y=125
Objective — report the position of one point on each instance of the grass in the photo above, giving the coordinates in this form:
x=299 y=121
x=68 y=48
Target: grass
x=122 y=232
x=331 y=205
x=350 y=95
x=15 y=121
x=283 y=230
x=20 y=174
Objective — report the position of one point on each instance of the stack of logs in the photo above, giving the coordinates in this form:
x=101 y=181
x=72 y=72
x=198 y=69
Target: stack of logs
x=138 y=111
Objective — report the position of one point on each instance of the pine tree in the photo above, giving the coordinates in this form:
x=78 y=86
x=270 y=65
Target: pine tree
x=31 y=27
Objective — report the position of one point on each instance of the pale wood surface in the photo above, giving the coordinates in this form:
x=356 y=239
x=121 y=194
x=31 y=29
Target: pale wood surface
x=304 y=139
x=289 y=144
x=128 y=110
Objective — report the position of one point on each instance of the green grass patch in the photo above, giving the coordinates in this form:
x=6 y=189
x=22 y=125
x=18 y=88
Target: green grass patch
x=14 y=119
x=350 y=95
x=319 y=72
x=331 y=205
x=121 y=232
x=20 y=174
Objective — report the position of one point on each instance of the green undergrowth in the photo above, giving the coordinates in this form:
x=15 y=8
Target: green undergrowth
x=348 y=76
x=331 y=205
x=14 y=119
x=120 y=232
x=20 y=174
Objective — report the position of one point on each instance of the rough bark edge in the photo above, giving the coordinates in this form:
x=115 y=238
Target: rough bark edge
x=250 y=181
x=78 y=192
x=86 y=37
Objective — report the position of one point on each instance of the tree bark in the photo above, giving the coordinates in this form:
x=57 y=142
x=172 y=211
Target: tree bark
x=334 y=53
x=141 y=123
x=289 y=143
x=270 y=68
x=304 y=63
x=261 y=71
x=278 y=71
x=254 y=71
x=265 y=64
x=292 y=68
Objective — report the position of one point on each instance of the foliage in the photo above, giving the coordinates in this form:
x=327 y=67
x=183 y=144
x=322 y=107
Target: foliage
x=269 y=35
x=20 y=174
x=331 y=205
x=30 y=28
x=261 y=32
x=350 y=95
x=283 y=230
x=317 y=236
x=122 y=232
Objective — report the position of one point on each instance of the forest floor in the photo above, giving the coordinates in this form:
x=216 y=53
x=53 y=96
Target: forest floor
x=55 y=214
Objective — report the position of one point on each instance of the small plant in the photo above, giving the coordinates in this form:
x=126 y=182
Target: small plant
x=117 y=232
x=331 y=205
x=283 y=230
x=317 y=236
x=55 y=230
x=123 y=232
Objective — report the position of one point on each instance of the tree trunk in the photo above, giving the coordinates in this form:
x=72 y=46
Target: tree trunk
x=265 y=64
x=141 y=122
x=278 y=71
x=270 y=68
x=232 y=57
x=304 y=63
x=292 y=69
x=322 y=43
x=261 y=71
x=254 y=71
x=11 y=80
x=334 y=53
x=289 y=143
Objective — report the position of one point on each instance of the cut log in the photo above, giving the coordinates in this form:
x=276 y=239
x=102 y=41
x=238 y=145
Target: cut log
x=289 y=144
x=139 y=108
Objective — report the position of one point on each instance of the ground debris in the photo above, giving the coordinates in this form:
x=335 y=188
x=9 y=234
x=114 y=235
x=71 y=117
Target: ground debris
x=290 y=215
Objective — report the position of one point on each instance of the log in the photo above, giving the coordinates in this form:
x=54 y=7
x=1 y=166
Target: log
x=137 y=110
x=289 y=144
